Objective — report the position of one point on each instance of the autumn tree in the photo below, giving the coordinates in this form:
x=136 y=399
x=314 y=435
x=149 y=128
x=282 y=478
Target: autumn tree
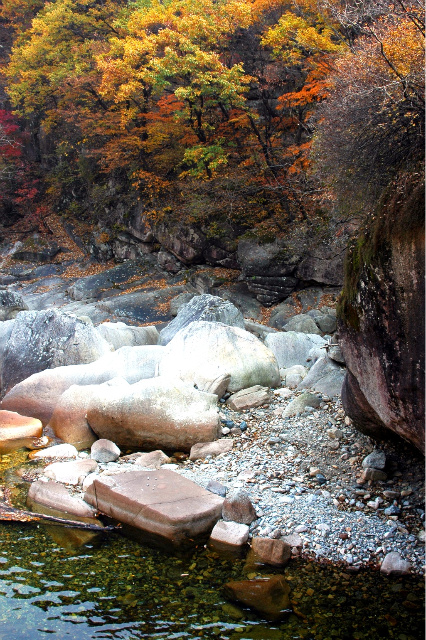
x=372 y=125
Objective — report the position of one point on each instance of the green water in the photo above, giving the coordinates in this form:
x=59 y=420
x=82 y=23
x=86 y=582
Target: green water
x=115 y=588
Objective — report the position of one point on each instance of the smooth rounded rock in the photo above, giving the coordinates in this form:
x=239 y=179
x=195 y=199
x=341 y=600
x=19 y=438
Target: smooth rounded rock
x=104 y=451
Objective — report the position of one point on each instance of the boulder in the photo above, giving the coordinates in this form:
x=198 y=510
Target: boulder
x=39 y=394
x=270 y=551
x=229 y=533
x=381 y=318
x=291 y=348
x=163 y=504
x=46 y=339
x=70 y=472
x=256 y=396
x=325 y=376
x=17 y=431
x=11 y=303
x=203 y=449
x=104 y=451
x=68 y=421
x=119 y=334
x=204 y=307
x=219 y=349
x=55 y=495
x=302 y=323
x=157 y=413
x=269 y=596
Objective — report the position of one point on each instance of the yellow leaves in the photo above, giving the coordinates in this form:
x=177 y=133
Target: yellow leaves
x=295 y=38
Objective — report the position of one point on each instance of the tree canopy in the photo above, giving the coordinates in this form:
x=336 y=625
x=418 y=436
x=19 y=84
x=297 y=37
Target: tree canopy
x=175 y=98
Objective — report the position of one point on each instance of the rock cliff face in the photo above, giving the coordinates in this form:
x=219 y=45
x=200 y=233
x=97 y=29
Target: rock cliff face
x=381 y=319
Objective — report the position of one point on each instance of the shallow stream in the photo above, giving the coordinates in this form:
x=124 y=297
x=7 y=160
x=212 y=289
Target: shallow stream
x=115 y=588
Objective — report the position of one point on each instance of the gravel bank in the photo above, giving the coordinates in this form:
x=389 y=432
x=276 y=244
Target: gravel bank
x=303 y=475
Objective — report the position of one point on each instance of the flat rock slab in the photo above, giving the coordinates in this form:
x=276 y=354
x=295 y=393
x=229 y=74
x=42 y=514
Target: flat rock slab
x=161 y=503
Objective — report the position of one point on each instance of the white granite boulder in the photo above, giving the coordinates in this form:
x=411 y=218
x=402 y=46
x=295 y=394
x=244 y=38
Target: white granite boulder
x=47 y=339
x=291 y=348
x=325 y=376
x=69 y=421
x=157 y=413
x=38 y=395
x=119 y=334
x=204 y=307
x=217 y=349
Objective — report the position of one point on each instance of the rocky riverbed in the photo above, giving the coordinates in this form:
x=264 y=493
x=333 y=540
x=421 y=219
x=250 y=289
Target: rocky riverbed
x=305 y=477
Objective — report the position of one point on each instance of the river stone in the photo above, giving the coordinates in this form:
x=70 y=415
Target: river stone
x=270 y=551
x=229 y=533
x=42 y=340
x=375 y=459
x=56 y=451
x=17 y=431
x=269 y=596
x=335 y=353
x=256 y=396
x=151 y=459
x=204 y=307
x=55 y=495
x=394 y=565
x=157 y=413
x=239 y=508
x=302 y=323
x=369 y=473
x=70 y=472
x=291 y=348
x=162 y=503
x=11 y=303
x=216 y=487
x=203 y=449
x=220 y=349
x=104 y=451
x=39 y=394
x=325 y=376
x=326 y=323
x=297 y=405
x=119 y=334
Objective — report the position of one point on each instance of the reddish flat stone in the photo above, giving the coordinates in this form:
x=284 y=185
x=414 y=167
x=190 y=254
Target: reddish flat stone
x=161 y=503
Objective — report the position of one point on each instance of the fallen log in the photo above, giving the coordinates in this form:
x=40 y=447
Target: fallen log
x=11 y=514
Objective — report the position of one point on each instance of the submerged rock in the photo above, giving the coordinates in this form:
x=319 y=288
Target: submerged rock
x=269 y=596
